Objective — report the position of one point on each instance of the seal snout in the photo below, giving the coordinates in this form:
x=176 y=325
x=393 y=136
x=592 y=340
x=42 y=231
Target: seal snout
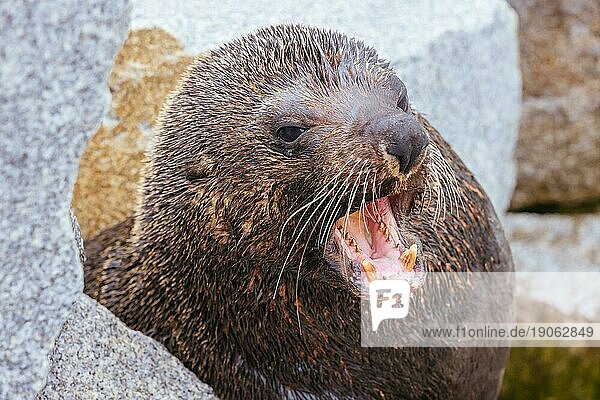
x=405 y=138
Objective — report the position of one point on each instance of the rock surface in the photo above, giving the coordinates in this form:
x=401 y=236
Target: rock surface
x=98 y=357
x=557 y=244
x=54 y=62
x=459 y=61
x=146 y=68
x=554 y=243
x=558 y=155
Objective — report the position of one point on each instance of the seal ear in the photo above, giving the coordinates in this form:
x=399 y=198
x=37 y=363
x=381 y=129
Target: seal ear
x=194 y=175
x=200 y=171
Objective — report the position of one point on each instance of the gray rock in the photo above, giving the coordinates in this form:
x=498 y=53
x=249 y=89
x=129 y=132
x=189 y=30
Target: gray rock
x=98 y=357
x=458 y=59
x=554 y=243
x=557 y=153
x=54 y=62
x=566 y=249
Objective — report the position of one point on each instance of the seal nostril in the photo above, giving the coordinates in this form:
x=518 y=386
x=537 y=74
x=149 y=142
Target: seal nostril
x=409 y=163
x=404 y=136
x=407 y=142
x=407 y=151
x=404 y=162
x=414 y=155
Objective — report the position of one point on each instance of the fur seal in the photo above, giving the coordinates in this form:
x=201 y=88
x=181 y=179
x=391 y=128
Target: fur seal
x=288 y=170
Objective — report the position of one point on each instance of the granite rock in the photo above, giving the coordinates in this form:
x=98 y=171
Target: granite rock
x=54 y=61
x=98 y=357
x=554 y=242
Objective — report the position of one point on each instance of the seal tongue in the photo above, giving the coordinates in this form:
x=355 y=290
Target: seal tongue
x=370 y=238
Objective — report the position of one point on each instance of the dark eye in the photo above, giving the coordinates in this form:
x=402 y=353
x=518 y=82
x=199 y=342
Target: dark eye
x=290 y=133
x=403 y=103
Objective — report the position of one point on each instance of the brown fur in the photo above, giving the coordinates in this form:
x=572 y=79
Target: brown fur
x=197 y=266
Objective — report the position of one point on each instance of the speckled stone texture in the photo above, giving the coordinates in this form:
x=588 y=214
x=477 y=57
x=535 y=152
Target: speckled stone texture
x=54 y=61
x=98 y=357
x=459 y=60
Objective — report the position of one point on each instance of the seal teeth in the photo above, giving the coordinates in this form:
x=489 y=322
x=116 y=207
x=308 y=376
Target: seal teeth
x=369 y=268
x=350 y=240
x=409 y=257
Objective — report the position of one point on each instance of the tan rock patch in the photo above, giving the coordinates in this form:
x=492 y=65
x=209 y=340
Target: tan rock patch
x=146 y=69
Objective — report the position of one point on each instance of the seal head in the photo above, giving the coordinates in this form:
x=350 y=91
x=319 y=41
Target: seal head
x=287 y=171
x=310 y=130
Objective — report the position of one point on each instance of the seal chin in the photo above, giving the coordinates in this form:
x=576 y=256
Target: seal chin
x=373 y=245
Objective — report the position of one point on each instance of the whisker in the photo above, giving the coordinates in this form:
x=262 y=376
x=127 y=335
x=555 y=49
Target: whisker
x=445 y=181
x=323 y=197
x=324 y=231
x=363 y=203
x=318 y=195
x=376 y=196
x=316 y=224
x=297 y=237
x=343 y=188
x=374 y=218
x=351 y=199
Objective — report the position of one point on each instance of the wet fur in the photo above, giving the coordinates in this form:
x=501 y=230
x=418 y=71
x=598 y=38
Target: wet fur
x=197 y=267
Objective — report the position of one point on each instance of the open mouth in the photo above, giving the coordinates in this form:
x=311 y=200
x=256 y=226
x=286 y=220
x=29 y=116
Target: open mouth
x=375 y=246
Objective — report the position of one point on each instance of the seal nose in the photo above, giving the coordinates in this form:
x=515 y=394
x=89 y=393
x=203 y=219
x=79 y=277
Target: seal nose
x=406 y=139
